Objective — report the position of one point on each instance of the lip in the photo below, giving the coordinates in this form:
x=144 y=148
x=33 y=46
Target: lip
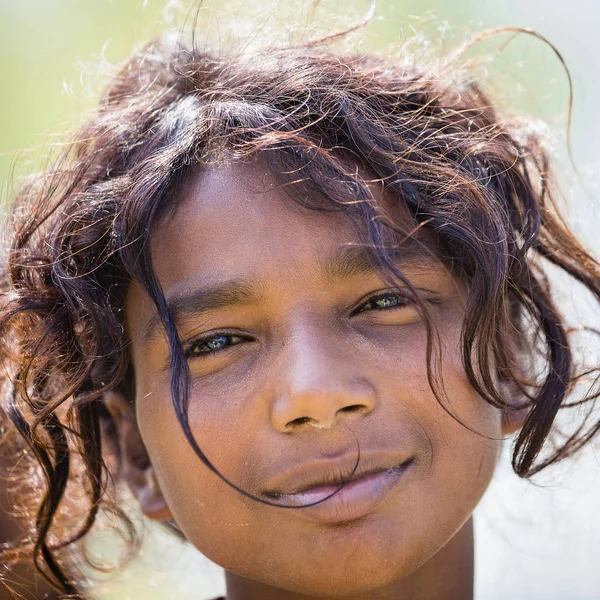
x=375 y=479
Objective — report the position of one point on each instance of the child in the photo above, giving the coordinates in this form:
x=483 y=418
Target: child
x=295 y=300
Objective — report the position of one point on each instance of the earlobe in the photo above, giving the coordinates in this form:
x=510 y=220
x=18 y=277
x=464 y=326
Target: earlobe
x=135 y=463
x=513 y=419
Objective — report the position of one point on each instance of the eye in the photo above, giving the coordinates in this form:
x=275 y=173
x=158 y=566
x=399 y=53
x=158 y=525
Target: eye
x=208 y=346
x=383 y=301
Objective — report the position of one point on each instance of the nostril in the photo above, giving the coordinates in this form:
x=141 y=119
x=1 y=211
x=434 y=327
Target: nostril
x=299 y=421
x=352 y=408
x=317 y=423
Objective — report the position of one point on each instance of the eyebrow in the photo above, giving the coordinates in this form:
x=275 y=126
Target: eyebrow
x=359 y=260
x=351 y=262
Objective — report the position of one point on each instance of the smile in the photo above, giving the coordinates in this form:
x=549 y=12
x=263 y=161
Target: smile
x=355 y=500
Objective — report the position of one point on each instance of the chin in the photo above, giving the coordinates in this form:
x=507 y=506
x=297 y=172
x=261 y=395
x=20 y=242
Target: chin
x=358 y=572
x=361 y=583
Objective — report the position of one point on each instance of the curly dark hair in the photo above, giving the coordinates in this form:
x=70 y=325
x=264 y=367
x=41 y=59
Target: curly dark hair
x=477 y=180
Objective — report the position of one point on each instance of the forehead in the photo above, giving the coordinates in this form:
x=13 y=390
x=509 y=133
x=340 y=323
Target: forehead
x=235 y=218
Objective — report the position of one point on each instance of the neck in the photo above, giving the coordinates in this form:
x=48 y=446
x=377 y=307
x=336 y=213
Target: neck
x=447 y=575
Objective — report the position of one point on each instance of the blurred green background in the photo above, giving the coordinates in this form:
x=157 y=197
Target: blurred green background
x=50 y=51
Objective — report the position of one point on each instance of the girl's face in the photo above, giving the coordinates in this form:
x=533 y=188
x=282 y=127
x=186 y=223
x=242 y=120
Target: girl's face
x=300 y=354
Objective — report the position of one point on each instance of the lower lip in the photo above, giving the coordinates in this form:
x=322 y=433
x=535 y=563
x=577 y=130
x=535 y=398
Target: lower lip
x=355 y=500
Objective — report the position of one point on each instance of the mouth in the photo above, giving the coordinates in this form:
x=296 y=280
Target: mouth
x=332 y=496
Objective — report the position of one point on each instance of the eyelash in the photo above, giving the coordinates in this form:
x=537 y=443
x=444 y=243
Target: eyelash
x=400 y=302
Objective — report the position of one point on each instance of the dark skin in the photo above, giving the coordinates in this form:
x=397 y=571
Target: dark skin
x=305 y=366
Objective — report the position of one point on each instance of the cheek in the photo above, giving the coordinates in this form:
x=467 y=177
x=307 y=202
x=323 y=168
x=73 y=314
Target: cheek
x=466 y=439
x=462 y=431
x=206 y=509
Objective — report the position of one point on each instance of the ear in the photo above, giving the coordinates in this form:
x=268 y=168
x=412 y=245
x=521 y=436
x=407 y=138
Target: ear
x=136 y=467
x=513 y=418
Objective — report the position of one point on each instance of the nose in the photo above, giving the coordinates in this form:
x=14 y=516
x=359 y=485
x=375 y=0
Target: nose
x=318 y=384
